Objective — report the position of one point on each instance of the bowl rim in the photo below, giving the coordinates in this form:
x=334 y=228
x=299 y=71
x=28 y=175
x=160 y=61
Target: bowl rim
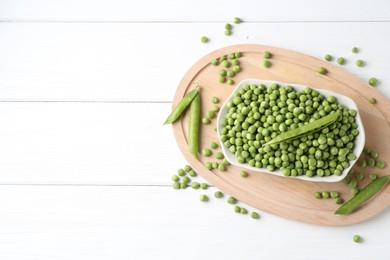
x=359 y=141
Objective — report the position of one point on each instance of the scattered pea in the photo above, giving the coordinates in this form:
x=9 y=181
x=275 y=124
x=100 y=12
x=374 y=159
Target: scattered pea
x=203 y=198
x=372 y=100
x=205 y=121
x=204 y=186
x=325 y=194
x=266 y=63
x=255 y=215
x=231 y=56
x=228 y=26
x=355 y=50
x=230 y=81
x=373 y=176
x=175 y=178
x=218 y=194
x=231 y=200
x=367 y=150
x=357 y=239
x=181 y=172
x=322 y=71
x=215 y=109
x=235 y=62
x=266 y=55
x=230 y=73
x=236 y=68
x=215 y=100
x=373 y=154
x=237 y=209
x=352 y=184
x=183 y=185
x=362 y=163
x=187 y=168
x=176 y=185
x=341 y=61
x=228 y=32
x=238 y=54
x=204 y=39
x=222 y=79
x=359 y=176
x=334 y=194
x=214 y=62
x=243 y=211
x=380 y=164
x=360 y=63
x=225 y=162
x=371 y=162
x=328 y=57
x=195 y=185
x=226 y=64
x=373 y=81
x=236 y=20
x=354 y=191
x=221 y=167
x=215 y=165
x=206 y=152
x=210 y=115
x=208 y=165
x=338 y=201
x=186 y=179
x=219 y=155
x=214 y=145
x=317 y=195
x=244 y=174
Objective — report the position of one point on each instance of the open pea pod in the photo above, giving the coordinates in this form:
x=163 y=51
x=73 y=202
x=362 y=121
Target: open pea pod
x=304 y=130
x=183 y=104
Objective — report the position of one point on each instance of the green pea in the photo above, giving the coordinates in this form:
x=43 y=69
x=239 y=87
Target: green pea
x=222 y=79
x=228 y=26
x=325 y=194
x=228 y=32
x=237 y=20
x=338 y=201
x=367 y=150
x=219 y=155
x=204 y=39
x=380 y=164
x=214 y=62
x=266 y=55
x=237 y=209
x=231 y=200
x=204 y=186
x=218 y=194
x=322 y=71
x=226 y=63
x=373 y=154
x=362 y=163
x=244 y=174
x=354 y=191
x=210 y=115
x=372 y=176
x=186 y=179
x=205 y=121
x=176 y=185
x=230 y=73
x=195 y=185
x=341 y=61
x=187 y=168
x=370 y=162
x=175 y=178
x=206 y=152
x=317 y=195
x=357 y=239
x=192 y=173
x=359 y=176
x=355 y=50
x=373 y=81
x=372 y=100
x=183 y=185
x=225 y=162
x=255 y=215
x=230 y=81
x=328 y=57
x=181 y=172
x=334 y=194
x=243 y=211
x=215 y=100
x=236 y=68
x=214 y=145
x=266 y=63
x=215 y=165
x=360 y=63
x=203 y=198
x=208 y=165
x=238 y=54
x=221 y=167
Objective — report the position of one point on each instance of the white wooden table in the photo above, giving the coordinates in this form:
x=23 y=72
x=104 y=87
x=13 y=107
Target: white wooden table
x=85 y=163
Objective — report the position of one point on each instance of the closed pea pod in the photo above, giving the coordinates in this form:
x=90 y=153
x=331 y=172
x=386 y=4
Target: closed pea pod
x=193 y=128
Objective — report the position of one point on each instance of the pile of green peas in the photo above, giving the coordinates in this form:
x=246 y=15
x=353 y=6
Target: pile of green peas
x=257 y=114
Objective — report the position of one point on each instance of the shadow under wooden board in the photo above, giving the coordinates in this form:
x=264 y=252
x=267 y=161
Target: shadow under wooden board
x=287 y=197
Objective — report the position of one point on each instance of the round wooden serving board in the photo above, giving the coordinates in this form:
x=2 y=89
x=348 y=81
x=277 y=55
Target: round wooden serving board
x=286 y=197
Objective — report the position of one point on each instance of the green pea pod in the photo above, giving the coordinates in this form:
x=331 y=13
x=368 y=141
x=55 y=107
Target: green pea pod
x=304 y=130
x=193 y=128
x=183 y=104
x=366 y=193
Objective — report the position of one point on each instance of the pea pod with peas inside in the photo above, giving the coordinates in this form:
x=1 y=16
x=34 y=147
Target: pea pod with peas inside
x=193 y=128
x=366 y=193
x=183 y=104
x=304 y=130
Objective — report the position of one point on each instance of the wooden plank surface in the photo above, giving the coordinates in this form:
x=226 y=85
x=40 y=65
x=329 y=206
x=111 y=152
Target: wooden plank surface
x=119 y=62
x=118 y=223
x=202 y=10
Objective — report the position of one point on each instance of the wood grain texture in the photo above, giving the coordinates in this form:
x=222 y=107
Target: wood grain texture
x=287 y=197
x=119 y=62
x=201 y=10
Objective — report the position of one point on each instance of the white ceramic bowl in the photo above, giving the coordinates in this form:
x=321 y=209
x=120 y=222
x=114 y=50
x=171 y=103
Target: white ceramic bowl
x=346 y=101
